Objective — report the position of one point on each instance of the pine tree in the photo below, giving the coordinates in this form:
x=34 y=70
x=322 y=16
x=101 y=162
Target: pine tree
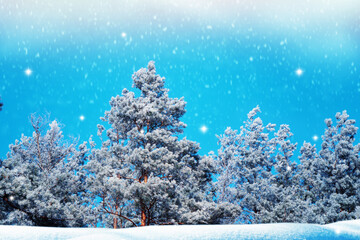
x=228 y=156
x=245 y=162
x=308 y=179
x=337 y=172
x=286 y=205
x=39 y=184
x=143 y=173
x=256 y=172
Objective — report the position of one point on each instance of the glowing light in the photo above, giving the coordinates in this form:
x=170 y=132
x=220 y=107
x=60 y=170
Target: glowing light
x=299 y=72
x=315 y=137
x=337 y=230
x=288 y=168
x=82 y=118
x=123 y=34
x=204 y=129
x=11 y=198
x=28 y=72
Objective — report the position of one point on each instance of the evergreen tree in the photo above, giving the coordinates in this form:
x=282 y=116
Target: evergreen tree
x=287 y=206
x=334 y=179
x=143 y=173
x=245 y=162
x=308 y=179
x=256 y=172
x=39 y=184
x=228 y=156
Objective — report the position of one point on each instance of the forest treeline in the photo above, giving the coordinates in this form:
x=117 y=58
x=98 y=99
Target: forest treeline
x=144 y=174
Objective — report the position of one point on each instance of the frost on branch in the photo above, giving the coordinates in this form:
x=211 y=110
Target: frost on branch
x=144 y=174
x=39 y=184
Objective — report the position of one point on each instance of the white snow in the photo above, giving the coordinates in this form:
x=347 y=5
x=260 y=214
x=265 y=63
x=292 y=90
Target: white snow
x=347 y=230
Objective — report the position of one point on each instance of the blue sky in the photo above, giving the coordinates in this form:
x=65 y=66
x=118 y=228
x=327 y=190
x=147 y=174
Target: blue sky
x=298 y=60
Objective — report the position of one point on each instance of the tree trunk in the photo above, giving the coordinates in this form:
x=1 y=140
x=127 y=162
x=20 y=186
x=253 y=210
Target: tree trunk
x=143 y=218
x=143 y=214
x=115 y=222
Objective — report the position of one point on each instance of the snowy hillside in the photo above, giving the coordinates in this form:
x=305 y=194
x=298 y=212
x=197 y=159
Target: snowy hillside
x=342 y=230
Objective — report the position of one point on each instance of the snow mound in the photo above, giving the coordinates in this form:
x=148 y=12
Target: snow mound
x=350 y=227
x=347 y=230
x=99 y=236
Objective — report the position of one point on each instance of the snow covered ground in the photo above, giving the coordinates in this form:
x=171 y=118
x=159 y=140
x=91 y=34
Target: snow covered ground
x=342 y=230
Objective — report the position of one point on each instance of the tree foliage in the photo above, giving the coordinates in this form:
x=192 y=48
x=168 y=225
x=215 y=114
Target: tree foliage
x=39 y=184
x=257 y=173
x=331 y=178
x=246 y=164
x=144 y=173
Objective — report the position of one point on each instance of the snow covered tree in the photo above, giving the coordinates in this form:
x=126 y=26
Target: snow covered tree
x=143 y=173
x=286 y=204
x=256 y=172
x=332 y=178
x=39 y=180
x=308 y=178
x=283 y=165
x=228 y=156
x=245 y=162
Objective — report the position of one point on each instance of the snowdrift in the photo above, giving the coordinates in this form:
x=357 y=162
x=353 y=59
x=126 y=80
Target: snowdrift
x=346 y=230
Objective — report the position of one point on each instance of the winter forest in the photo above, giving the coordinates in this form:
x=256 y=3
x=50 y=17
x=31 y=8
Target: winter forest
x=140 y=170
